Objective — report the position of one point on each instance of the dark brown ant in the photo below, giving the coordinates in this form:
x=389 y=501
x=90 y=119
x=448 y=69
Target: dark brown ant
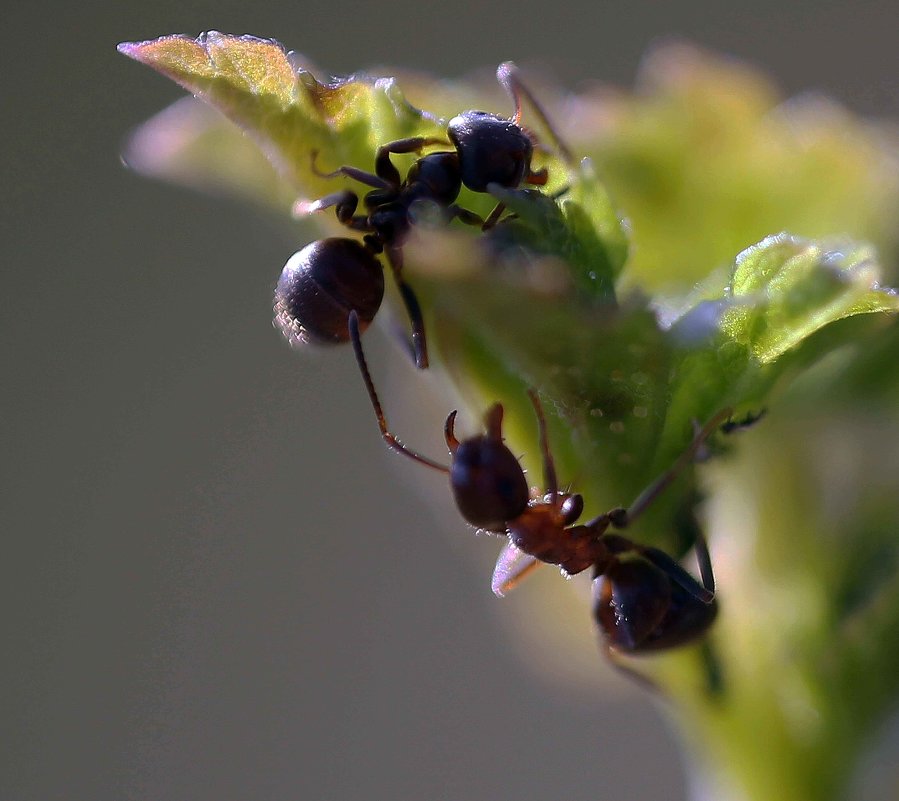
x=324 y=281
x=644 y=600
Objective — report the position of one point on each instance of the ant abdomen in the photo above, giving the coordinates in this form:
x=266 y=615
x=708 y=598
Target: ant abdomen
x=321 y=284
x=646 y=602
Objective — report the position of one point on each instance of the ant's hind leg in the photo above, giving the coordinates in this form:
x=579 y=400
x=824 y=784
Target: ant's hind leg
x=390 y=439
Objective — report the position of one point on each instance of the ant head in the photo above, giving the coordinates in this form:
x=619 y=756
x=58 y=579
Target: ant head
x=321 y=284
x=488 y=483
x=491 y=149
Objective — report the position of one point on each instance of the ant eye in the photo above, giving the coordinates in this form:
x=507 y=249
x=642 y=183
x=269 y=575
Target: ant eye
x=321 y=284
x=488 y=483
x=572 y=508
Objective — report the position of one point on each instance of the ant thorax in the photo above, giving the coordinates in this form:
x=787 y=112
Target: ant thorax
x=545 y=531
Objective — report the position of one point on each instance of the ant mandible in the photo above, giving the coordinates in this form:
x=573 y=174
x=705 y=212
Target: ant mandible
x=644 y=600
x=324 y=281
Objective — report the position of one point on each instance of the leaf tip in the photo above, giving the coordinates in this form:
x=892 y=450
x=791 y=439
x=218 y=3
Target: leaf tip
x=128 y=48
x=140 y=51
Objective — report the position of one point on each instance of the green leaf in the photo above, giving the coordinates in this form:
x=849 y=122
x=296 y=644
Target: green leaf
x=562 y=297
x=191 y=144
x=536 y=302
x=583 y=230
x=706 y=157
x=784 y=289
x=257 y=84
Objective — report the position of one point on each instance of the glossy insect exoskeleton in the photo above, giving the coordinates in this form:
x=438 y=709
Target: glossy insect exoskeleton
x=321 y=284
x=643 y=599
x=488 y=149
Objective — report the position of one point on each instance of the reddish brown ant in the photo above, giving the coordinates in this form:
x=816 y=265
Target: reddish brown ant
x=321 y=283
x=644 y=600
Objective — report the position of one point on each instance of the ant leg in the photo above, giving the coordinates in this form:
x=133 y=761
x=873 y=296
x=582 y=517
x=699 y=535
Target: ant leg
x=493 y=422
x=714 y=670
x=549 y=465
x=704 y=559
x=750 y=419
x=390 y=439
x=704 y=592
x=464 y=216
x=615 y=660
x=449 y=433
x=537 y=177
x=413 y=309
x=601 y=590
x=344 y=202
x=510 y=78
x=374 y=181
x=621 y=518
x=384 y=167
x=512 y=566
x=493 y=217
x=714 y=679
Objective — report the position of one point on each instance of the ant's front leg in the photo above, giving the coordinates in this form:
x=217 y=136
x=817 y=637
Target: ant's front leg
x=493 y=217
x=621 y=518
x=355 y=173
x=384 y=167
x=344 y=203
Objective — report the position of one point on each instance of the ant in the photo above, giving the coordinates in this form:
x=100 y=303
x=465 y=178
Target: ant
x=644 y=600
x=324 y=281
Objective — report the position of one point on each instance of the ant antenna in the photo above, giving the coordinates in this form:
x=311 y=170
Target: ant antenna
x=389 y=438
x=509 y=76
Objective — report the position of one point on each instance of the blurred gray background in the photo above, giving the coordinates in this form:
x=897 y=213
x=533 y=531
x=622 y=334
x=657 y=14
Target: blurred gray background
x=218 y=584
